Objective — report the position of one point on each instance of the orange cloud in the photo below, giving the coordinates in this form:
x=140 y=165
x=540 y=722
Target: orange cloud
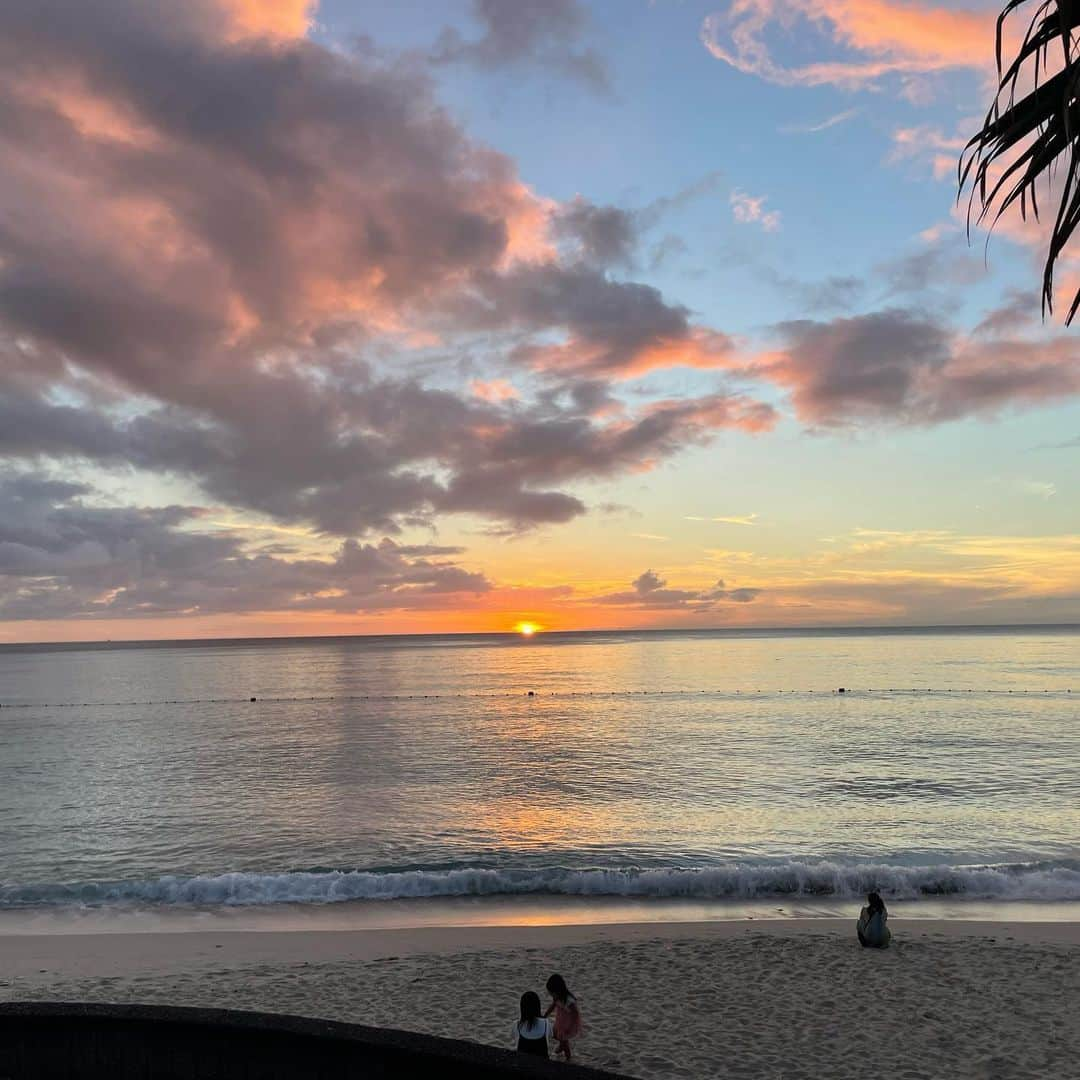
x=702 y=349
x=528 y=222
x=886 y=37
x=283 y=19
x=494 y=390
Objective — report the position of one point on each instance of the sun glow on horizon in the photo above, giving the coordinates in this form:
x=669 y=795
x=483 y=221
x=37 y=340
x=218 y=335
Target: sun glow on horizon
x=527 y=629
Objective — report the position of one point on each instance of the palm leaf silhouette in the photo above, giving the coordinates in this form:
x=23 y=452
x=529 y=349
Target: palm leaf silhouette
x=1024 y=142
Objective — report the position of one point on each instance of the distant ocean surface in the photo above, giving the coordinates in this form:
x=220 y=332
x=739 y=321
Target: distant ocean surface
x=709 y=765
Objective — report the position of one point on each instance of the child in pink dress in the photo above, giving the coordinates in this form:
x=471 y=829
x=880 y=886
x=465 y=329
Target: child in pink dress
x=567 y=1014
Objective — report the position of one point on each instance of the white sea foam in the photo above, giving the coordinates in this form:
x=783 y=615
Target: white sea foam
x=733 y=881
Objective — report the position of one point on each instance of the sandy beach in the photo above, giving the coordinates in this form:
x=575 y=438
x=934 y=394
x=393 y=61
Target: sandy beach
x=783 y=999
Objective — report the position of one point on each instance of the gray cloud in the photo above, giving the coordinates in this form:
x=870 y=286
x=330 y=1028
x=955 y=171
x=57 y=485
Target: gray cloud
x=604 y=235
x=931 y=268
x=866 y=364
x=615 y=328
x=364 y=455
x=1068 y=444
x=654 y=211
x=838 y=292
x=905 y=367
x=542 y=33
x=649 y=590
x=1019 y=309
x=666 y=248
x=63 y=557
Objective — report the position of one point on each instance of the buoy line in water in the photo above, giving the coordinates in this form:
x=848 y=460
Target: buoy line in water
x=557 y=694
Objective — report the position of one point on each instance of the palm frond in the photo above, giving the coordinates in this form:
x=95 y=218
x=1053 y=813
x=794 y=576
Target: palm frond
x=1022 y=142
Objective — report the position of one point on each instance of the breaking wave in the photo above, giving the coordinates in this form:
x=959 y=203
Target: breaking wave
x=730 y=881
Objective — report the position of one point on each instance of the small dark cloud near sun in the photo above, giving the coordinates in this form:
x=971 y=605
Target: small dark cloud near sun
x=649 y=590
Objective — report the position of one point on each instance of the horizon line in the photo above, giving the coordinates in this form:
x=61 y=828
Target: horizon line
x=827 y=628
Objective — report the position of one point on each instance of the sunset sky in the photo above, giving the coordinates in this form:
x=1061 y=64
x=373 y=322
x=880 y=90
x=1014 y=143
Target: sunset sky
x=437 y=316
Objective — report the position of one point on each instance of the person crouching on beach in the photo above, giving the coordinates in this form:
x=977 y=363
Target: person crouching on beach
x=532 y=1029
x=567 y=1014
x=873 y=933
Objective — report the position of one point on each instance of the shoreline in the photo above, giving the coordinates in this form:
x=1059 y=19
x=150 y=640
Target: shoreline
x=774 y=999
x=502 y=911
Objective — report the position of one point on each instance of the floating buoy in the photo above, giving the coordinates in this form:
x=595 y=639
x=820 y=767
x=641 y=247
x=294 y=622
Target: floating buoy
x=841 y=691
x=532 y=693
x=252 y=699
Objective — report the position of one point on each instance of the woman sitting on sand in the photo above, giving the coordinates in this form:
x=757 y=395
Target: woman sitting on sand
x=532 y=1030
x=873 y=933
x=567 y=1014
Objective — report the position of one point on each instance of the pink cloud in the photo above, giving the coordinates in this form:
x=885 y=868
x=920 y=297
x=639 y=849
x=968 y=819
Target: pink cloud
x=750 y=209
x=931 y=144
x=494 y=390
x=884 y=37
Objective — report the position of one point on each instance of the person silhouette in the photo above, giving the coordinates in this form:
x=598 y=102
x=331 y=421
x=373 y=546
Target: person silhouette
x=532 y=1030
x=872 y=930
x=567 y=1014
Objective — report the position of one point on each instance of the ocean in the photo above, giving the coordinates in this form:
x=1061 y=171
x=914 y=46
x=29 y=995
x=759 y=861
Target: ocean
x=707 y=766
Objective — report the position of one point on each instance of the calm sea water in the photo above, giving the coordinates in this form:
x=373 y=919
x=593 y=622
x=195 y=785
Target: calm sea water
x=657 y=764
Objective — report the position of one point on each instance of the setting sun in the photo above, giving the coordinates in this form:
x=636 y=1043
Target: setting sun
x=527 y=629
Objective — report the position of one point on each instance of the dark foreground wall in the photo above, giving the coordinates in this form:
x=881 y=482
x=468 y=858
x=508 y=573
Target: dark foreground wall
x=50 y=1041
